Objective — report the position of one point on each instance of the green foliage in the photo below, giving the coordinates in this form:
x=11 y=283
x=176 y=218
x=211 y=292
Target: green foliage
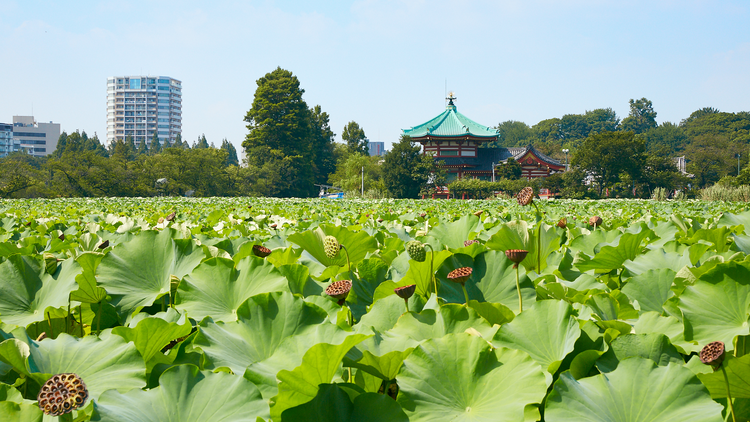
x=407 y=173
x=348 y=175
x=322 y=145
x=231 y=159
x=642 y=116
x=510 y=169
x=720 y=192
x=355 y=138
x=609 y=154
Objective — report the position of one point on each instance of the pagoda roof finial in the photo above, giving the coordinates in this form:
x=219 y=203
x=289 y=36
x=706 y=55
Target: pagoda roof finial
x=451 y=97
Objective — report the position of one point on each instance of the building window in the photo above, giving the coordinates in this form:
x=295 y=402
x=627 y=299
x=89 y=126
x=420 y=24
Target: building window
x=135 y=84
x=451 y=153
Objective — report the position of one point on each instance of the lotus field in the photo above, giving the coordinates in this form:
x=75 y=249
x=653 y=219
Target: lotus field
x=176 y=309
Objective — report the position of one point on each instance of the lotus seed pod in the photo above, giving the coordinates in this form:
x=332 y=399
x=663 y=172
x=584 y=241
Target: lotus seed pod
x=416 y=250
x=516 y=256
x=478 y=213
x=460 y=275
x=261 y=251
x=331 y=246
x=713 y=354
x=470 y=242
x=595 y=221
x=171 y=216
x=339 y=290
x=405 y=292
x=563 y=223
x=423 y=215
x=525 y=196
x=62 y=394
x=104 y=245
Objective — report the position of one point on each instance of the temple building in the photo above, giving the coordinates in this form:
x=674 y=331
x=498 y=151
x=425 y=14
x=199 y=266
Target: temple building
x=455 y=139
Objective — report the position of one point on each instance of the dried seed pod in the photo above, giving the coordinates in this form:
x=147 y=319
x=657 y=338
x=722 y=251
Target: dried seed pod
x=261 y=251
x=423 y=215
x=478 y=213
x=460 y=275
x=339 y=290
x=713 y=354
x=331 y=246
x=405 y=292
x=516 y=256
x=61 y=237
x=595 y=221
x=563 y=223
x=416 y=250
x=62 y=394
x=470 y=242
x=161 y=220
x=104 y=245
x=171 y=216
x=525 y=196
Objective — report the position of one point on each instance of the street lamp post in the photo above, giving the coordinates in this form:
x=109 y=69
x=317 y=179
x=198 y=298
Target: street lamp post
x=566 y=158
x=738 y=163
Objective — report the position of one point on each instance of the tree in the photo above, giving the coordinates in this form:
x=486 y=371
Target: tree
x=155 y=144
x=602 y=120
x=142 y=148
x=279 y=124
x=202 y=142
x=607 y=155
x=642 y=116
x=348 y=175
x=511 y=169
x=667 y=139
x=355 y=138
x=322 y=145
x=512 y=134
x=406 y=171
x=232 y=159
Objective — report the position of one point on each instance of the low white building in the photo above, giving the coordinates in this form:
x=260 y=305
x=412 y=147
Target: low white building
x=36 y=138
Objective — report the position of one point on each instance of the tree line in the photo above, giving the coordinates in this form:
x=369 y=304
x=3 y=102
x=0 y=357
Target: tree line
x=290 y=148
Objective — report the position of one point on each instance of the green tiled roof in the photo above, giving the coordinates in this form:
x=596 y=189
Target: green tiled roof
x=451 y=123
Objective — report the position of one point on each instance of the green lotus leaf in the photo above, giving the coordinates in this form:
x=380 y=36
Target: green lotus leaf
x=138 y=272
x=547 y=331
x=370 y=273
x=9 y=393
x=654 y=323
x=103 y=362
x=385 y=313
x=27 y=290
x=591 y=242
x=15 y=412
x=151 y=335
x=657 y=259
x=650 y=346
x=716 y=307
x=333 y=404
x=450 y=318
x=319 y=365
x=453 y=234
x=517 y=235
x=358 y=245
x=493 y=279
x=263 y=323
x=717 y=236
x=738 y=374
x=651 y=288
x=289 y=355
x=460 y=377
x=419 y=272
x=216 y=288
x=637 y=391
x=612 y=257
x=186 y=394
x=730 y=219
x=88 y=291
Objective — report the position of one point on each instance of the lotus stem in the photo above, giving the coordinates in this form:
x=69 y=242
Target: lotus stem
x=385 y=388
x=348 y=263
x=406 y=301
x=466 y=294
x=99 y=319
x=729 y=396
x=51 y=330
x=80 y=316
x=432 y=274
x=518 y=288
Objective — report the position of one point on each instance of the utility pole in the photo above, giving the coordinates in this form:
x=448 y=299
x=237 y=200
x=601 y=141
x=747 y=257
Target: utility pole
x=566 y=158
x=738 y=163
x=363 y=181
x=493 y=172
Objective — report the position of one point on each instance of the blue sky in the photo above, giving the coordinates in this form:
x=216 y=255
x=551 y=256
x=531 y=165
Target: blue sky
x=381 y=63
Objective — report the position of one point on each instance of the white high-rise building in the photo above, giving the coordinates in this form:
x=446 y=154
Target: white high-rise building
x=139 y=105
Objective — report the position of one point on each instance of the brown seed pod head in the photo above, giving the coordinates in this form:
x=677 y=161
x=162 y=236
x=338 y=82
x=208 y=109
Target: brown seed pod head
x=171 y=215
x=331 y=246
x=470 y=242
x=713 y=354
x=339 y=290
x=423 y=215
x=478 y=213
x=516 y=256
x=161 y=220
x=460 y=275
x=62 y=394
x=595 y=221
x=261 y=251
x=525 y=196
x=405 y=292
x=104 y=245
x=563 y=223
